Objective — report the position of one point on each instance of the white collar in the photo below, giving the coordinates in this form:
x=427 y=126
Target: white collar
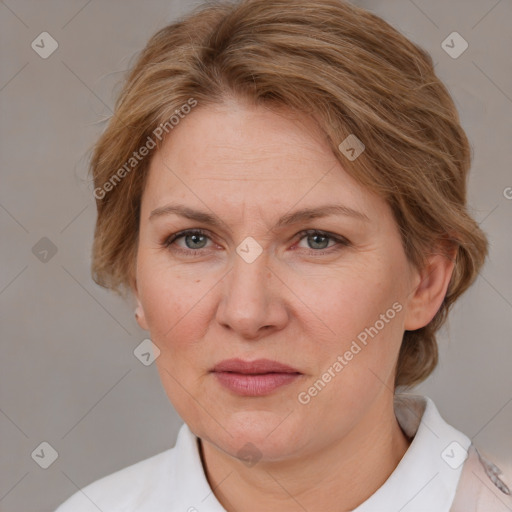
x=423 y=481
x=427 y=476
x=192 y=490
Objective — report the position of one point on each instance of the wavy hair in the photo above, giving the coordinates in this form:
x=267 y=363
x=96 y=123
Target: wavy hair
x=343 y=66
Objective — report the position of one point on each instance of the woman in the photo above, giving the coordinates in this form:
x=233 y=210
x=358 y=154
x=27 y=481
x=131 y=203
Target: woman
x=282 y=188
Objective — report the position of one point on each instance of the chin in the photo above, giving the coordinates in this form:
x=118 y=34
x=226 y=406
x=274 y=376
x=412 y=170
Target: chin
x=254 y=435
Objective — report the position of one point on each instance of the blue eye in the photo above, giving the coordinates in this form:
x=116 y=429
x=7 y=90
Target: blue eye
x=197 y=236
x=312 y=234
x=194 y=235
x=196 y=240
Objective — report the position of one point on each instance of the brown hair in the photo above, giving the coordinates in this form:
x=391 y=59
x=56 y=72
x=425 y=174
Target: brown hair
x=345 y=67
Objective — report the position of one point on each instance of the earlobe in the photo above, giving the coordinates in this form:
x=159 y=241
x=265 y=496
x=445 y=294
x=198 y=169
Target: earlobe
x=429 y=294
x=139 y=310
x=140 y=316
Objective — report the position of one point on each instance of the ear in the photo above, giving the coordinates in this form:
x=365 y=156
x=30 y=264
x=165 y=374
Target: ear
x=140 y=316
x=429 y=292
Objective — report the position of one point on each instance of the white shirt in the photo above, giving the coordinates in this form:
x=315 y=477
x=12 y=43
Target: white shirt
x=425 y=480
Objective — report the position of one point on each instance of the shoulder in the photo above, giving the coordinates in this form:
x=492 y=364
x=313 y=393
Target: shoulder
x=485 y=484
x=125 y=489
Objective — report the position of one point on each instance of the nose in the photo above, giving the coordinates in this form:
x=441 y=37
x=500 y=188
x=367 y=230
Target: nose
x=252 y=304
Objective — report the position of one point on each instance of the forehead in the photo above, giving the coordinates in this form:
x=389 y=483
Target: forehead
x=247 y=155
x=240 y=138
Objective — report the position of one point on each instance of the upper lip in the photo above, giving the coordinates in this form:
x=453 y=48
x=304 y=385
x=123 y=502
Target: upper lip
x=258 y=366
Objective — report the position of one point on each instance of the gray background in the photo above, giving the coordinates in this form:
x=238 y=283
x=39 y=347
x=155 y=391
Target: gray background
x=68 y=374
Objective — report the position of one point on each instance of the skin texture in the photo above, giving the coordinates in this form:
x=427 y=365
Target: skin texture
x=251 y=165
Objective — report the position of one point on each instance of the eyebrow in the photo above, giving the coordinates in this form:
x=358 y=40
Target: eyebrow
x=286 y=220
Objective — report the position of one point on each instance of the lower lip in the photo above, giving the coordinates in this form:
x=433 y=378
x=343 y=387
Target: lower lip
x=255 y=385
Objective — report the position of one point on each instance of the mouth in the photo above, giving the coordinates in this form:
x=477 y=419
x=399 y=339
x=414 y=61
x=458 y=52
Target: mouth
x=254 y=378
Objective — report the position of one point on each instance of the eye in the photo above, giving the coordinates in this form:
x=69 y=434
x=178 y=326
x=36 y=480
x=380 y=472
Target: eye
x=196 y=240
x=320 y=241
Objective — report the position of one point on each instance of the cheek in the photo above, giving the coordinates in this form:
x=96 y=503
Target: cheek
x=173 y=309
x=364 y=311
x=171 y=301
x=352 y=300
x=355 y=364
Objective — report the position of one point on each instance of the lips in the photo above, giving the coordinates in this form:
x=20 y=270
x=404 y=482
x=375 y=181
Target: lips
x=254 y=378
x=256 y=367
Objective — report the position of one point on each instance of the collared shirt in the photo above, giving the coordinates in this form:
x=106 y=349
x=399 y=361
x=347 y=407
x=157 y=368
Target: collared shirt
x=425 y=480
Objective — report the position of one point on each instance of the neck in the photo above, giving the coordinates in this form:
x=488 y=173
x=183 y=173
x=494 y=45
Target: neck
x=339 y=477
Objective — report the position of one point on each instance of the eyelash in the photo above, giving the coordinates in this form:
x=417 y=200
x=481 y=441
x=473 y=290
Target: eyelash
x=341 y=242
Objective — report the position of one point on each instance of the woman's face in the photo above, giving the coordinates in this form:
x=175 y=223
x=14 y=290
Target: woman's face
x=331 y=305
